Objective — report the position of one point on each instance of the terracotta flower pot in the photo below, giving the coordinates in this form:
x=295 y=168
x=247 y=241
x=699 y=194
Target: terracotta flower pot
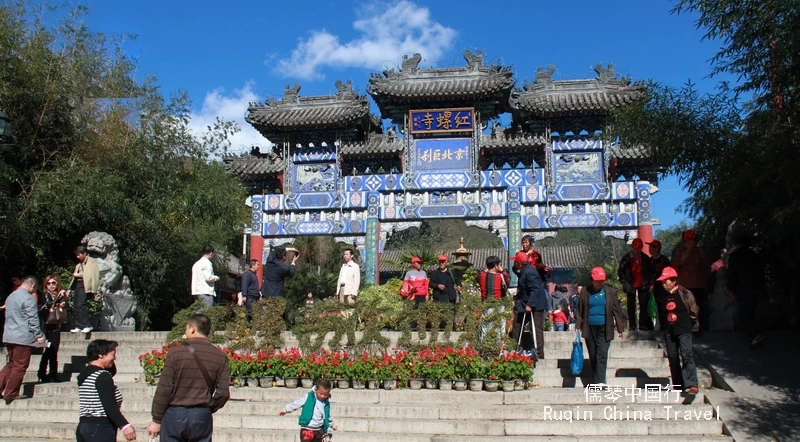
x=252 y=382
x=491 y=385
x=459 y=385
x=306 y=382
x=430 y=384
x=343 y=383
x=373 y=384
x=265 y=381
x=358 y=384
x=291 y=382
x=445 y=384
x=390 y=384
x=508 y=386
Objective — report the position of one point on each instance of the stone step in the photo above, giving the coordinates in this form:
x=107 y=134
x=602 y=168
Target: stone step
x=585 y=380
x=131 y=407
x=613 y=428
x=286 y=429
x=615 y=345
x=16 y=432
x=629 y=336
x=80 y=361
x=291 y=436
x=80 y=349
x=612 y=363
x=115 y=336
x=683 y=438
x=611 y=422
x=31 y=376
x=627 y=372
x=574 y=396
x=546 y=396
x=627 y=353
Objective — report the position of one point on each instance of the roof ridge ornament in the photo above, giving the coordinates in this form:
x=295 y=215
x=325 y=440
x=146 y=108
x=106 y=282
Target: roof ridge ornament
x=604 y=75
x=543 y=77
x=474 y=61
x=291 y=94
x=411 y=64
x=344 y=91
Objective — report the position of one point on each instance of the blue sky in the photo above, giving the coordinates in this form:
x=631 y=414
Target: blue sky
x=226 y=54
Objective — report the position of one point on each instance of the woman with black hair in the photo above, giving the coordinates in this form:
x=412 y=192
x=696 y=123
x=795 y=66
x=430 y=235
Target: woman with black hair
x=52 y=300
x=100 y=399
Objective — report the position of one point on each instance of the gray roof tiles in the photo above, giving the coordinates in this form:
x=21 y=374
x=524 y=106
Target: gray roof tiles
x=558 y=257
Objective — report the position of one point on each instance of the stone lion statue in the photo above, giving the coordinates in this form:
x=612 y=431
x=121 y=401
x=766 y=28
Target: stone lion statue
x=119 y=303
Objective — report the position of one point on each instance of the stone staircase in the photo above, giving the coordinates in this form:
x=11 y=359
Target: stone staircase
x=637 y=360
x=538 y=414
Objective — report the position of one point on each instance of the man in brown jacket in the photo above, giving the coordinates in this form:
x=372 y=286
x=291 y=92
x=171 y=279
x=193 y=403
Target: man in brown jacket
x=194 y=384
x=678 y=312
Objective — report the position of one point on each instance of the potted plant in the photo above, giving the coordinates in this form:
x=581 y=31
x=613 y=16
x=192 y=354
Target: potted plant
x=386 y=372
x=361 y=369
x=502 y=370
x=414 y=371
x=278 y=366
x=492 y=383
x=237 y=369
x=152 y=364
x=290 y=377
x=344 y=374
x=477 y=372
x=461 y=361
x=426 y=372
x=304 y=372
x=268 y=367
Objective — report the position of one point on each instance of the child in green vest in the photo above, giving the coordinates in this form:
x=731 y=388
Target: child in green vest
x=315 y=416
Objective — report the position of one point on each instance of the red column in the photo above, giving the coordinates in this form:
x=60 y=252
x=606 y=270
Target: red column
x=257 y=252
x=646 y=235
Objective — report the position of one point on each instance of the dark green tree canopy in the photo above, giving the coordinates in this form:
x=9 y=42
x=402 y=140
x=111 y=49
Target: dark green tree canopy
x=736 y=150
x=96 y=148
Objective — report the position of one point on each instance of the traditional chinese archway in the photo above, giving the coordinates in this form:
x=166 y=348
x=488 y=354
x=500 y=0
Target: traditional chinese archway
x=334 y=172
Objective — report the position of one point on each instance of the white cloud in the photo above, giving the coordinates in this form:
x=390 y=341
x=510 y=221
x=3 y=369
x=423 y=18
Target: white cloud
x=231 y=108
x=386 y=33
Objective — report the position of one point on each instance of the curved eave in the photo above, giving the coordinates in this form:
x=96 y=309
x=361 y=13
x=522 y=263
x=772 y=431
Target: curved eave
x=300 y=118
x=460 y=88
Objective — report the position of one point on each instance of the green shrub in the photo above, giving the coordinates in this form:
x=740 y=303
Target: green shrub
x=220 y=317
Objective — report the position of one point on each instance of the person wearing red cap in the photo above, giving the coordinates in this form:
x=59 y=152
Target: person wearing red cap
x=679 y=318
x=445 y=284
x=598 y=312
x=418 y=280
x=636 y=274
x=531 y=303
x=659 y=262
x=493 y=282
x=535 y=258
x=694 y=267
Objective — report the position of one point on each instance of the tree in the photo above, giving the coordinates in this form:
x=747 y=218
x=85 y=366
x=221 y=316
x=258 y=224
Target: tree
x=739 y=159
x=98 y=149
x=672 y=237
x=603 y=251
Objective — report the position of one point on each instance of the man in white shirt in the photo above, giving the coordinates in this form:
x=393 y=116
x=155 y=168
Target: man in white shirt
x=349 y=279
x=203 y=278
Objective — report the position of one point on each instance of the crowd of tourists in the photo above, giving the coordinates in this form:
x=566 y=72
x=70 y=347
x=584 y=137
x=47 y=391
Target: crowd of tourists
x=669 y=295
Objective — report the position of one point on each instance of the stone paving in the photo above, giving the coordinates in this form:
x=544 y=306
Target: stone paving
x=556 y=409
x=759 y=398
